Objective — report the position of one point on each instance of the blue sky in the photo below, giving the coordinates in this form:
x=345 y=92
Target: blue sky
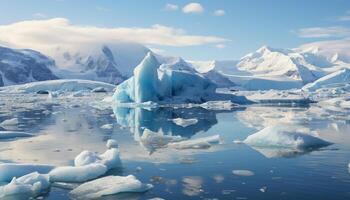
x=246 y=24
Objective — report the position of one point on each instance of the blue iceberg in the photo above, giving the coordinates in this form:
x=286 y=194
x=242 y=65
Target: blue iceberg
x=152 y=82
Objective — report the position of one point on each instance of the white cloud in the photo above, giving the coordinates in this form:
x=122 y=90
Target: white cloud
x=44 y=34
x=331 y=47
x=219 y=13
x=345 y=17
x=193 y=8
x=171 y=7
x=220 y=46
x=39 y=15
x=324 y=32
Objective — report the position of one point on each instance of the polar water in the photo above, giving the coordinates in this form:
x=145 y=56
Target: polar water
x=262 y=151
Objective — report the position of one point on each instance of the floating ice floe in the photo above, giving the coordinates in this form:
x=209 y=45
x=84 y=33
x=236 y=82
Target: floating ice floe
x=154 y=140
x=109 y=185
x=9 y=122
x=151 y=82
x=87 y=166
x=107 y=126
x=242 y=172
x=25 y=187
x=198 y=143
x=77 y=173
x=10 y=170
x=13 y=134
x=62 y=85
x=218 y=105
x=285 y=136
x=185 y=122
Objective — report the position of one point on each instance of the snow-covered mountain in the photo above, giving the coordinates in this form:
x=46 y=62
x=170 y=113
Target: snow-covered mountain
x=23 y=66
x=270 y=68
x=107 y=63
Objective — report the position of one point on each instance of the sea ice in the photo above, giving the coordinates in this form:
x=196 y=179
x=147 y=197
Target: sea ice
x=13 y=134
x=242 y=172
x=198 y=143
x=109 y=185
x=10 y=170
x=184 y=122
x=77 y=173
x=283 y=135
x=107 y=126
x=30 y=185
x=9 y=122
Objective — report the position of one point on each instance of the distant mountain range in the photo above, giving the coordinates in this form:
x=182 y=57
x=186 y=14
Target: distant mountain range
x=266 y=68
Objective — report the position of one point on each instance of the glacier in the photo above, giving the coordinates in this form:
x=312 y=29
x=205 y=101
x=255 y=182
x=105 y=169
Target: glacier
x=156 y=83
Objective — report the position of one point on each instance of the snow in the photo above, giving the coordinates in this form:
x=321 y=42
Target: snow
x=10 y=170
x=151 y=83
x=77 y=173
x=341 y=77
x=198 y=143
x=109 y=185
x=184 y=122
x=30 y=185
x=63 y=85
x=13 y=134
x=242 y=172
x=285 y=136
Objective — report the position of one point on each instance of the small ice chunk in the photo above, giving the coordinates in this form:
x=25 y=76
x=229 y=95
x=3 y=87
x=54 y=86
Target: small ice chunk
x=198 y=143
x=99 y=89
x=112 y=144
x=285 y=136
x=242 y=172
x=4 y=135
x=85 y=158
x=109 y=185
x=9 y=122
x=110 y=158
x=238 y=142
x=263 y=189
x=154 y=140
x=30 y=185
x=107 y=126
x=10 y=170
x=185 y=122
x=77 y=173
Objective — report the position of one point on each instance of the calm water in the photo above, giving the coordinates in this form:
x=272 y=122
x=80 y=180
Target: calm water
x=65 y=127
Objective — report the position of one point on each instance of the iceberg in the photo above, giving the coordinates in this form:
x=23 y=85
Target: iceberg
x=109 y=185
x=152 y=82
x=9 y=122
x=285 y=136
x=28 y=186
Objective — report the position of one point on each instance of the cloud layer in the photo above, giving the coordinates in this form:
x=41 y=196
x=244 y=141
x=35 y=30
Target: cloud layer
x=39 y=34
x=324 y=32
